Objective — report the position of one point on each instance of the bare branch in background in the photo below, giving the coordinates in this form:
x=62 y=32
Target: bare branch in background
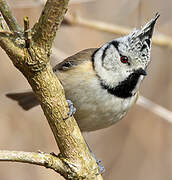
x=158 y=39
x=31 y=4
x=155 y=108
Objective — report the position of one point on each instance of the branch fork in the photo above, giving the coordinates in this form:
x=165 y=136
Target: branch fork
x=30 y=50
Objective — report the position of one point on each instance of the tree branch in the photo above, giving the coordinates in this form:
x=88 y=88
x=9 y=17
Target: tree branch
x=11 y=44
x=9 y=18
x=75 y=19
x=159 y=39
x=155 y=108
x=41 y=159
x=45 y=30
x=33 y=60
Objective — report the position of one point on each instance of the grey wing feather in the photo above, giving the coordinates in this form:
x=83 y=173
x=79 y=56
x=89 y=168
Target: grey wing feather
x=27 y=100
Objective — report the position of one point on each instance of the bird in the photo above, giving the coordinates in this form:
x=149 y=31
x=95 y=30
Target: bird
x=103 y=83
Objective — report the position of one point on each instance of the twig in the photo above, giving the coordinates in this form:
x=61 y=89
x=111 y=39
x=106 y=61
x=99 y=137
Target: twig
x=9 y=18
x=155 y=108
x=41 y=159
x=8 y=42
x=27 y=32
x=158 y=39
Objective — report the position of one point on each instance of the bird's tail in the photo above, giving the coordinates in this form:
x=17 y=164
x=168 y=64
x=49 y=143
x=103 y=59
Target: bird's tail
x=26 y=100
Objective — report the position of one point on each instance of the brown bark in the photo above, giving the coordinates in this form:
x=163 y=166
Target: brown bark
x=30 y=52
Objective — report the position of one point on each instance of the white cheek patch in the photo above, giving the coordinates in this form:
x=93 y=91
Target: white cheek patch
x=108 y=65
x=111 y=58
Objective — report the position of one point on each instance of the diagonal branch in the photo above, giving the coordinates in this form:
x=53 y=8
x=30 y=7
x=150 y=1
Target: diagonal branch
x=45 y=30
x=9 y=43
x=75 y=19
x=9 y=18
x=155 y=108
x=158 y=39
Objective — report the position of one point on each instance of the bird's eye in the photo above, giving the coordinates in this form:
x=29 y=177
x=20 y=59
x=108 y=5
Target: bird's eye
x=124 y=59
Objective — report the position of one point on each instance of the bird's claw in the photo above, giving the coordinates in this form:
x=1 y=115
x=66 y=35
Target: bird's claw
x=101 y=167
x=72 y=109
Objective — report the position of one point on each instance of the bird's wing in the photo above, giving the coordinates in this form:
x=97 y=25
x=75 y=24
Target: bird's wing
x=75 y=60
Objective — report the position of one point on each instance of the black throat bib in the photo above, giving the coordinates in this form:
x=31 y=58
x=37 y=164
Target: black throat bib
x=125 y=88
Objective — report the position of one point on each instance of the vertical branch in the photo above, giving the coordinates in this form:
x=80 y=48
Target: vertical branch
x=45 y=30
x=27 y=32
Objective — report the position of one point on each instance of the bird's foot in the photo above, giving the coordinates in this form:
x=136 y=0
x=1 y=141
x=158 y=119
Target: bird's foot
x=101 y=167
x=72 y=109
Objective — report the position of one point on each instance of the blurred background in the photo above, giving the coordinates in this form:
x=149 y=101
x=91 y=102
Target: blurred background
x=137 y=148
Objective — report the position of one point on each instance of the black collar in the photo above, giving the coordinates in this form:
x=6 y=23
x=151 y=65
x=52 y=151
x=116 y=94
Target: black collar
x=124 y=88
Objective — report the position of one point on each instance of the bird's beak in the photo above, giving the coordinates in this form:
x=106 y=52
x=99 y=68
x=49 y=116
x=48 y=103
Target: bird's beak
x=140 y=71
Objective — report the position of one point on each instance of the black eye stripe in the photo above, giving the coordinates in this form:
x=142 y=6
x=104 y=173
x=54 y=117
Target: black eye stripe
x=104 y=52
x=93 y=56
x=115 y=44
